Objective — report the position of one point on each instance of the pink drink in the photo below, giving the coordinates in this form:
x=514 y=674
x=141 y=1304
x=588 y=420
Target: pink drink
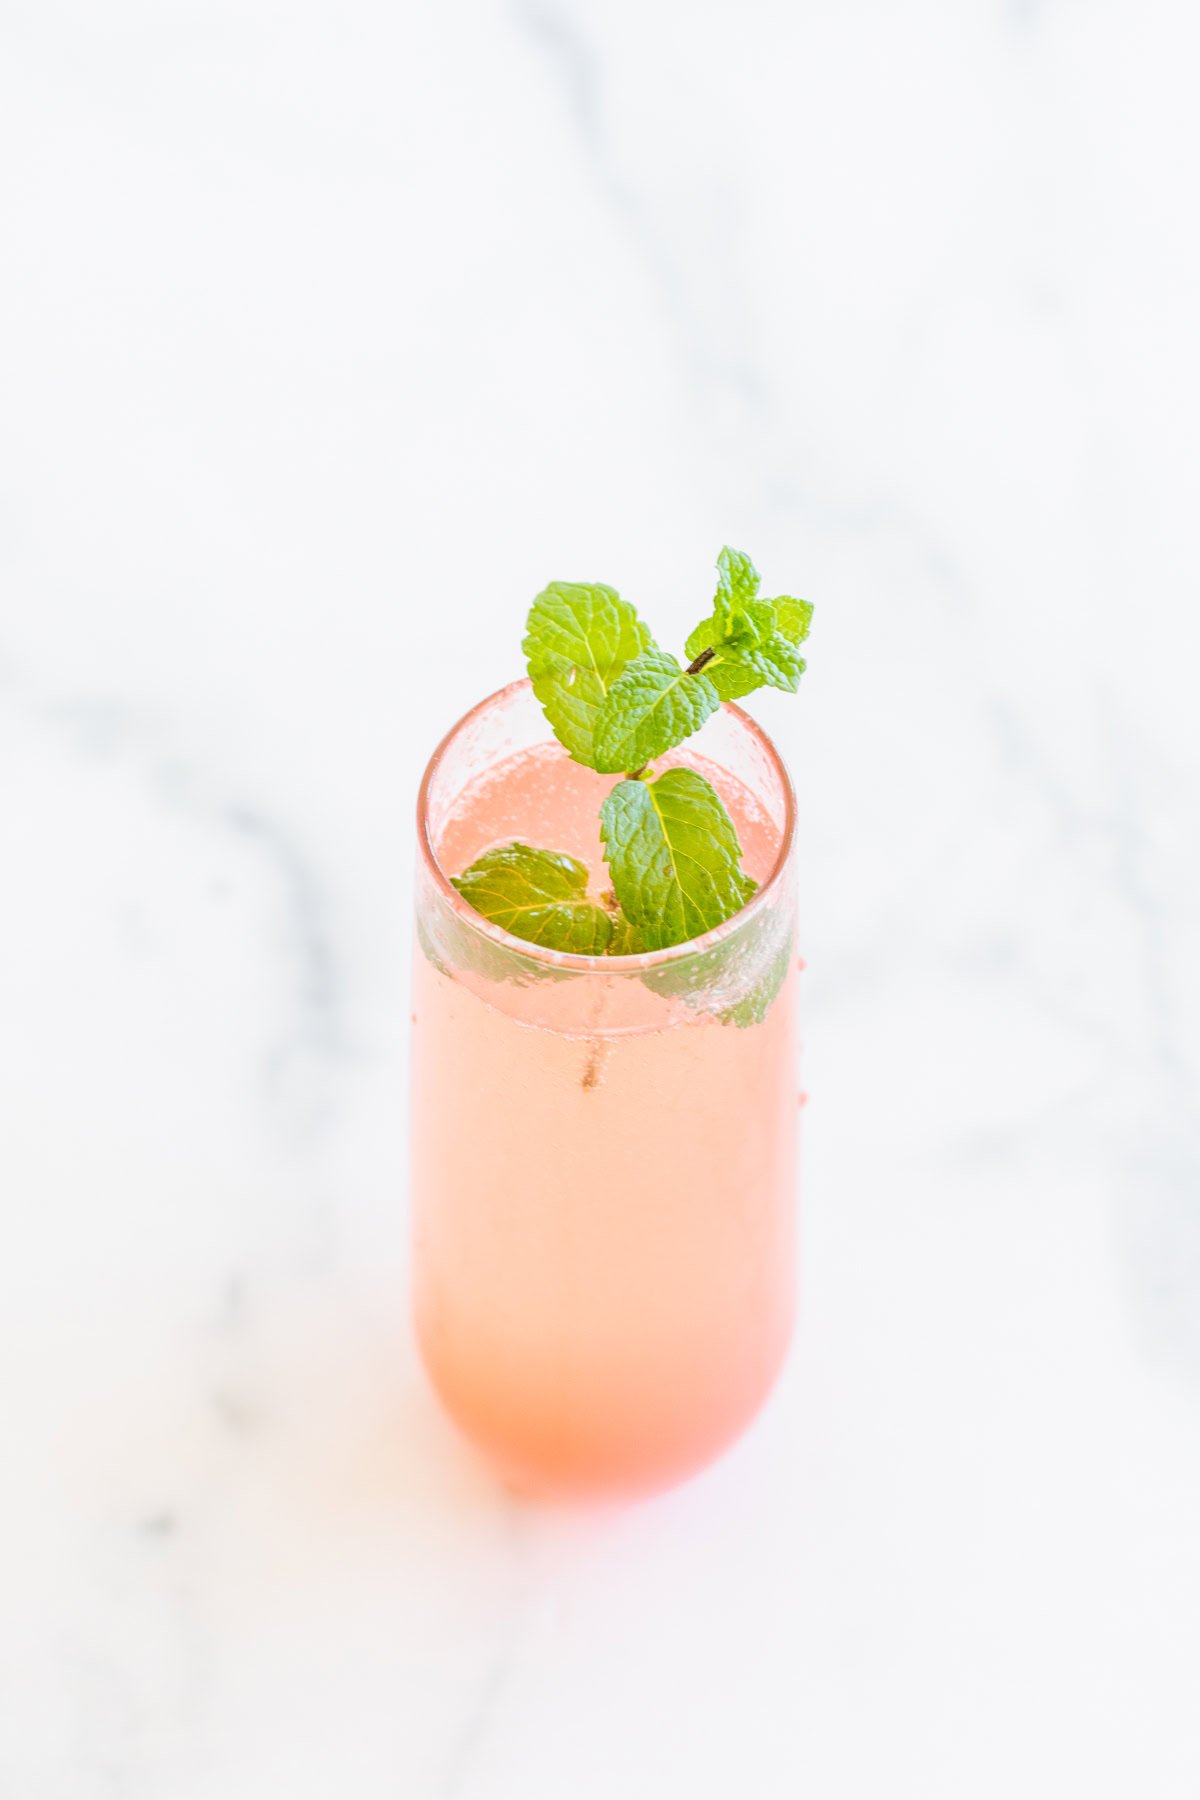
x=604 y=1157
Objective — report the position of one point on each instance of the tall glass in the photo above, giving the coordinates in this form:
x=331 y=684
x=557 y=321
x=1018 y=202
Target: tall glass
x=603 y=1148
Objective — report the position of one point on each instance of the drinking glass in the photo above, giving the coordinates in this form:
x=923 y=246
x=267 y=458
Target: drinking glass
x=603 y=1148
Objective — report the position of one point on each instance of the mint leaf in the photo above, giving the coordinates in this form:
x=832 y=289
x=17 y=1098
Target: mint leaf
x=578 y=638
x=737 y=980
x=650 y=708
x=744 y=662
x=792 y=618
x=776 y=662
x=732 y=678
x=674 y=856
x=756 y=1002
x=626 y=939
x=453 y=945
x=748 y=625
x=539 y=895
x=737 y=583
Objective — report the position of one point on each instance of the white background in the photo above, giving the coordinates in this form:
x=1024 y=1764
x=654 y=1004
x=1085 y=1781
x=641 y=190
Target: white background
x=328 y=334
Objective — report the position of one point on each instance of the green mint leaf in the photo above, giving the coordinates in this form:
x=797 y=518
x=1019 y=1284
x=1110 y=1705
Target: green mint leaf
x=733 y=680
x=730 y=675
x=792 y=618
x=650 y=708
x=750 y=624
x=453 y=946
x=626 y=939
x=776 y=663
x=737 y=980
x=674 y=856
x=577 y=641
x=737 y=583
x=738 y=623
x=754 y=1005
x=736 y=617
x=743 y=662
x=538 y=895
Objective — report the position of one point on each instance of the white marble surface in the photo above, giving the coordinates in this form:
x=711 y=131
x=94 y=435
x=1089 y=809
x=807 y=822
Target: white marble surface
x=323 y=326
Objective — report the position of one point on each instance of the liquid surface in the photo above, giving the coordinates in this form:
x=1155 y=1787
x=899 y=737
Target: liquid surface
x=543 y=798
x=604 y=1253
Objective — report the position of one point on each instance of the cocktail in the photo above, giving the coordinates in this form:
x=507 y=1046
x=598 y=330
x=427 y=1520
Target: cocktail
x=604 y=1059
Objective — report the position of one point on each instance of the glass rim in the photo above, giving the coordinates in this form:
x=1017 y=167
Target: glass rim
x=573 y=960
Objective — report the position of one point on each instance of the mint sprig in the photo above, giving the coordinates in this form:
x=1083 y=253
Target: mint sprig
x=616 y=702
x=748 y=643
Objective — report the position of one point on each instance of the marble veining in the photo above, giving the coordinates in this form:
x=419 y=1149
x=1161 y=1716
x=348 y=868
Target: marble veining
x=326 y=337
